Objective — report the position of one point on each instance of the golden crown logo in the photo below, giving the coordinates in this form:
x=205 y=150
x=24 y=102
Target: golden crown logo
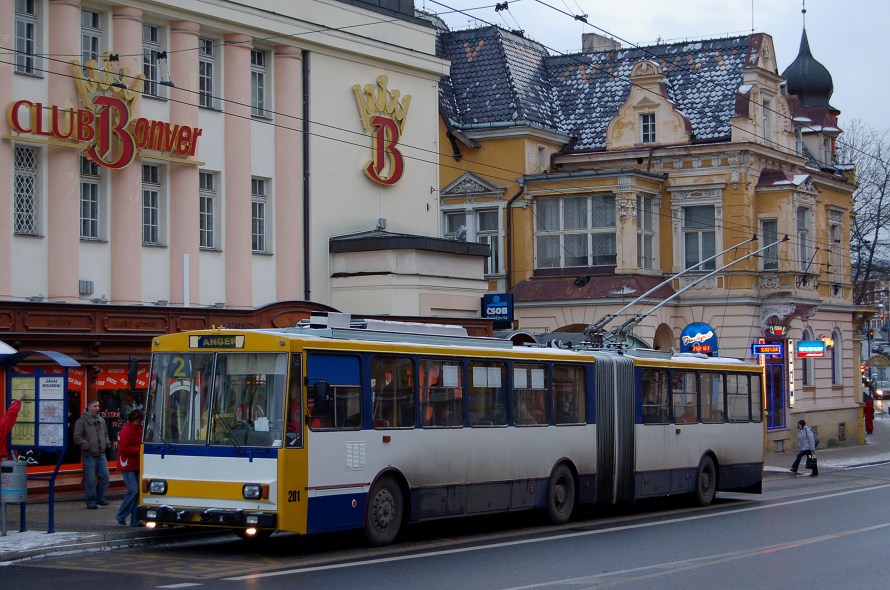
x=92 y=81
x=377 y=99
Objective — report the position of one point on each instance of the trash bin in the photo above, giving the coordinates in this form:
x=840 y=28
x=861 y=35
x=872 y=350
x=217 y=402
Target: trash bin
x=13 y=481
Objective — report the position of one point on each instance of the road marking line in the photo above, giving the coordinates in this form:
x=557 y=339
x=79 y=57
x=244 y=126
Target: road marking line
x=546 y=539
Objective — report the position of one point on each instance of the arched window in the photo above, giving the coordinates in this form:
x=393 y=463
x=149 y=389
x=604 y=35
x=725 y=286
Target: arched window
x=808 y=367
x=837 y=356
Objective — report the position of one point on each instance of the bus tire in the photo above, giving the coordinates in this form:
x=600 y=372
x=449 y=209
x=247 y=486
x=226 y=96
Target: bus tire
x=383 y=515
x=560 y=495
x=706 y=481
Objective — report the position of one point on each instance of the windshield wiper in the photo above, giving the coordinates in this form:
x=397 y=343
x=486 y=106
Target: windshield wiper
x=152 y=423
x=229 y=431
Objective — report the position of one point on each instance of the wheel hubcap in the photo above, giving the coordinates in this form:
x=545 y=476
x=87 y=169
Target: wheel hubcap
x=383 y=510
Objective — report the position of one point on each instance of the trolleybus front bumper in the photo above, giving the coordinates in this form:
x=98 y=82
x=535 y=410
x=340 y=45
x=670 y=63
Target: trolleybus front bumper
x=238 y=518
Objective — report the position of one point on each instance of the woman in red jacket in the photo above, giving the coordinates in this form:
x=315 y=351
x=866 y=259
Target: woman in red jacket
x=7 y=421
x=129 y=441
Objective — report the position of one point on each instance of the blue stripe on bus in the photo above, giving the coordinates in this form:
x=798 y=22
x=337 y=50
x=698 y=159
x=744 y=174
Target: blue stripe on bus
x=208 y=451
x=336 y=513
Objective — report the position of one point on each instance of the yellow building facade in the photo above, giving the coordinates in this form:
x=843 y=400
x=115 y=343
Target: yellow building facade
x=595 y=177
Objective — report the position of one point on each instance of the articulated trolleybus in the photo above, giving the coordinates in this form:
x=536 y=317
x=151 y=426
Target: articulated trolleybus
x=341 y=424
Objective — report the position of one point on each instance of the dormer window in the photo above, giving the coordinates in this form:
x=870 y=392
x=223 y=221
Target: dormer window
x=647 y=127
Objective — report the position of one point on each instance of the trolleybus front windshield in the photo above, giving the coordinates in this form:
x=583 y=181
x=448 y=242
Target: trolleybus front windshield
x=228 y=399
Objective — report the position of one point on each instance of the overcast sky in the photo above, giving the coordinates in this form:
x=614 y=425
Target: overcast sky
x=843 y=34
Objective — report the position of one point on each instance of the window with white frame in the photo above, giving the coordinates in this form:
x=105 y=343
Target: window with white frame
x=90 y=38
x=645 y=232
x=258 y=81
x=151 y=49
x=769 y=233
x=258 y=201
x=26 y=198
x=798 y=140
x=575 y=231
x=151 y=204
x=488 y=232
x=206 y=74
x=25 y=36
x=647 y=127
x=699 y=236
x=836 y=272
x=90 y=195
x=826 y=151
x=207 y=210
x=803 y=239
x=456 y=225
x=481 y=226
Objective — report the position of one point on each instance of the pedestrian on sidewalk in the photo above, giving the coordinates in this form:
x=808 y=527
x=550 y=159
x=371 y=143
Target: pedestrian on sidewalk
x=128 y=441
x=806 y=441
x=869 y=416
x=91 y=435
x=7 y=421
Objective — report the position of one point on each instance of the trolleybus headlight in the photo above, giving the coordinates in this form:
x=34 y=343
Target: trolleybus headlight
x=252 y=519
x=250 y=532
x=157 y=487
x=151 y=513
x=252 y=491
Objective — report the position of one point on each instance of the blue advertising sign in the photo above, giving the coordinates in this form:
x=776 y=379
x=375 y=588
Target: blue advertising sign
x=498 y=307
x=810 y=349
x=699 y=337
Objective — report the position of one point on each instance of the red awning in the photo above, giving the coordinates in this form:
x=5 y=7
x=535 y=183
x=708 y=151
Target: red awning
x=116 y=378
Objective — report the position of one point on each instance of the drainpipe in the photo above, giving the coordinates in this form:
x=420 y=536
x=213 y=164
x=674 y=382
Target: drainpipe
x=509 y=283
x=307 y=291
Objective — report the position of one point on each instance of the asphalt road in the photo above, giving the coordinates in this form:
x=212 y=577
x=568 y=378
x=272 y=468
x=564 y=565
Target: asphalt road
x=824 y=532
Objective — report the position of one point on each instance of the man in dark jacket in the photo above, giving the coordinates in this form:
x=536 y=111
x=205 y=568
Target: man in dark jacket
x=91 y=435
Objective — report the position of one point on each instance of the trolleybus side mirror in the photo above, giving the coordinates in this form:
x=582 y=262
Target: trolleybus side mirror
x=320 y=397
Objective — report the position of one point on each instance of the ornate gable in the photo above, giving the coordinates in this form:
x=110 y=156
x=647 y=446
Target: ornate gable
x=470 y=186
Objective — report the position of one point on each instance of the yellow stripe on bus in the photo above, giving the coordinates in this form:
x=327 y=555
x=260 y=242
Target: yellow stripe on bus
x=222 y=490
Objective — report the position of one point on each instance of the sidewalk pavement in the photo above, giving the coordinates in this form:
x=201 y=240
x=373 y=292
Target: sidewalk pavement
x=78 y=530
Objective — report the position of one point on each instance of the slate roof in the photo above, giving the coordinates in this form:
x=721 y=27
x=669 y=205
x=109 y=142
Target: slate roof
x=498 y=78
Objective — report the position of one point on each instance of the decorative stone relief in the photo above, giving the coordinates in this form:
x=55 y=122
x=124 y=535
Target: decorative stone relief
x=768 y=281
x=779 y=310
x=708 y=283
x=466 y=186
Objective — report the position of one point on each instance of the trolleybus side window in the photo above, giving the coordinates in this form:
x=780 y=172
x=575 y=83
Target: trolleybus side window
x=392 y=392
x=569 y=394
x=530 y=386
x=488 y=394
x=294 y=429
x=441 y=393
x=711 y=397
x=756 y=398
x=335 y=398
x=685 y=397
x=737 y=398
x=655 y=396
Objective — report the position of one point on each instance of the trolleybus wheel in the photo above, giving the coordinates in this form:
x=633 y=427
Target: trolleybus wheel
x=706 y=481
x=383 y=516
x=560 y=495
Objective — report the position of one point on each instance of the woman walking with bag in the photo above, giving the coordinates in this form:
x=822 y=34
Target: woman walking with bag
x=806 y=441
